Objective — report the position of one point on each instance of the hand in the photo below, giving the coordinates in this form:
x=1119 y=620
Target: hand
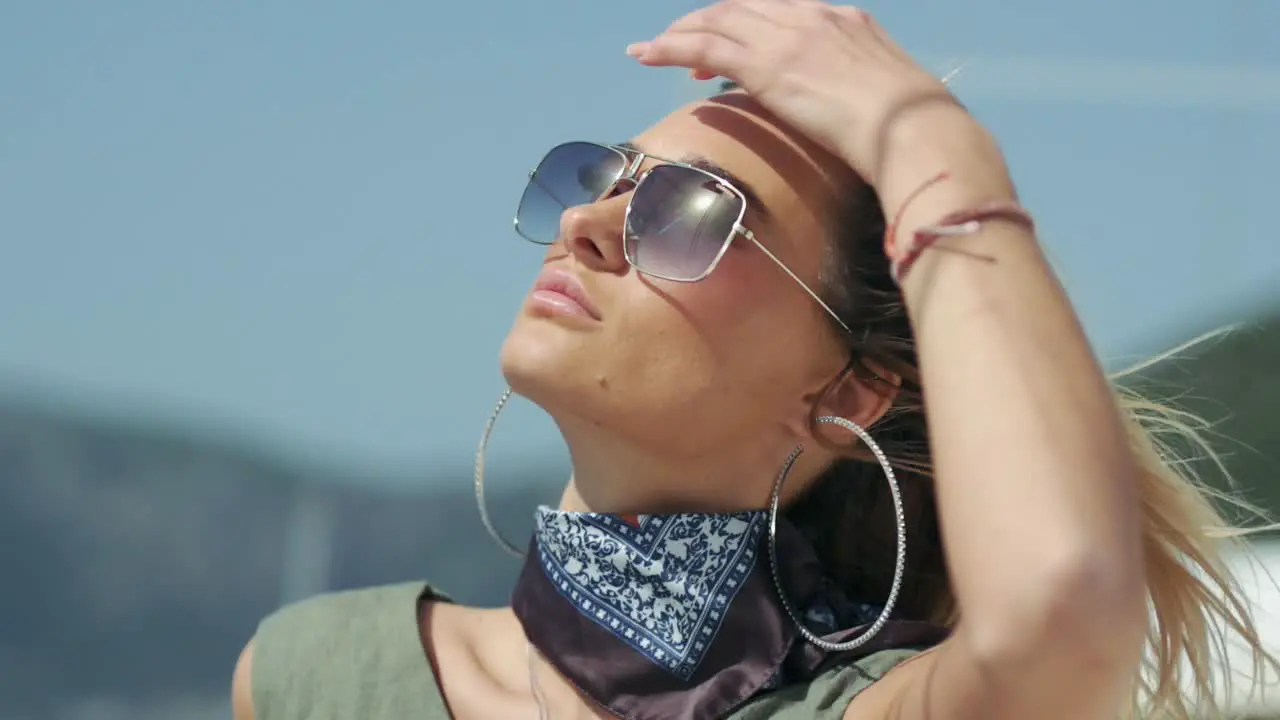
x=831 y=72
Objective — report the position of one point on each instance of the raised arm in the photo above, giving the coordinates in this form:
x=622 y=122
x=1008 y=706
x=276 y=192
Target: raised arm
x=1037 y=491
x=1036 y=486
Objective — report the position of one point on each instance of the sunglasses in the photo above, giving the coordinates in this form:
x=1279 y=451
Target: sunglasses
x=679 y=221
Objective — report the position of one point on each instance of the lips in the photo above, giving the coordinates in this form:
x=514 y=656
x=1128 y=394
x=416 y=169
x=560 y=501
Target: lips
x=558 y=287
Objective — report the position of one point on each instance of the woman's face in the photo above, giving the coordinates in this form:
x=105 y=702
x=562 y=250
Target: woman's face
x=728 y=364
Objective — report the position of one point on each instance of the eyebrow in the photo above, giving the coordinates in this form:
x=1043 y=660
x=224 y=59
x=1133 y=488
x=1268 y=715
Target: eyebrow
x=704 y=163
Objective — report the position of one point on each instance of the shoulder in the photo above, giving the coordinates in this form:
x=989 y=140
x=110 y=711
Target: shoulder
x=827 y=696
x=320 y=657
x=340 y=613
x=242 y=685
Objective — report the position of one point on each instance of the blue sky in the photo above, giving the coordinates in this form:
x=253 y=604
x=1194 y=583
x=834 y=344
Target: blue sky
x=293 y=220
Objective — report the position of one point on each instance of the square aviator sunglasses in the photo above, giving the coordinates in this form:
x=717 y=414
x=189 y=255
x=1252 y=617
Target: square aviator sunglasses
x=679 y=220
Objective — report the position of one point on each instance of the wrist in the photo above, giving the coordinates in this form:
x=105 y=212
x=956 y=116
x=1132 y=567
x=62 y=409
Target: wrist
x=942 y=138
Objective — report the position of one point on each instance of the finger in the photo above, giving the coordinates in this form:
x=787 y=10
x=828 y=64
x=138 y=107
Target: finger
x=699 y=51
x=860 y=23
x=736 y=20
x=792 y=14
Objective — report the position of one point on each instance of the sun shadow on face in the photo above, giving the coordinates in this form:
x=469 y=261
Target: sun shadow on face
x=816 y=175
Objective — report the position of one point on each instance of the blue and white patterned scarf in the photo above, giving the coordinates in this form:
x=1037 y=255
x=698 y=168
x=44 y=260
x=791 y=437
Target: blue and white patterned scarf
x=677 y=616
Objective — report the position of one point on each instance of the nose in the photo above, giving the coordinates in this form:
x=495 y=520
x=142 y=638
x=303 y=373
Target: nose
x=592 y=233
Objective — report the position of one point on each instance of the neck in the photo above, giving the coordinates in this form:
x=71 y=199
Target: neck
x=613 y=476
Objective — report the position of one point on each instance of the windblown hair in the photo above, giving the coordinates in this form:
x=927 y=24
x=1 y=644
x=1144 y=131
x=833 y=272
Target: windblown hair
x=1197 y=606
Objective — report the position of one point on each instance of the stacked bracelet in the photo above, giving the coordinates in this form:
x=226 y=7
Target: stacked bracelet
x=961 y=222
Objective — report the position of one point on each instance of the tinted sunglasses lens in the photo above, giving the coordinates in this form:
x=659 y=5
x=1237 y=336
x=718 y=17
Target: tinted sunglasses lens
x=680 y=220
x=572 y=174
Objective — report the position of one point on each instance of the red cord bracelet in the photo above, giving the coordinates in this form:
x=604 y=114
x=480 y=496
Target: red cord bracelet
x=961 y=222
x=891 y=232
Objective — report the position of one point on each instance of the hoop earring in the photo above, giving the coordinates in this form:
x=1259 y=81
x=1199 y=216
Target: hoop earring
x=480 y=503
x=899 y=568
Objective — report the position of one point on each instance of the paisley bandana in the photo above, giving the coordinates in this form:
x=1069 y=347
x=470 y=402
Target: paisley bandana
x=677 y=616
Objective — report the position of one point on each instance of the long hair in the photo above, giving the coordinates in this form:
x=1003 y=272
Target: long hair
x=1197 y=606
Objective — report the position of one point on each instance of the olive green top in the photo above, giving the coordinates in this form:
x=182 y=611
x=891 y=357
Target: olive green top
x=357 y=654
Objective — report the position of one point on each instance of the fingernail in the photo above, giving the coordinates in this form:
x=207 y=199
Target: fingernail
x=637 y=49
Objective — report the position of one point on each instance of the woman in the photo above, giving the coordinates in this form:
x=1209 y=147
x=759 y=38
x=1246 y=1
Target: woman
x=723 y=296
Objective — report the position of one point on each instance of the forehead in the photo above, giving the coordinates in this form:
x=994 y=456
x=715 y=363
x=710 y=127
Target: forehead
x=796 y=180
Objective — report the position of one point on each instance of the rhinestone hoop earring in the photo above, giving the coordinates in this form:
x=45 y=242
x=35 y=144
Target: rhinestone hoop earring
x=899 y=568
x=480 y=503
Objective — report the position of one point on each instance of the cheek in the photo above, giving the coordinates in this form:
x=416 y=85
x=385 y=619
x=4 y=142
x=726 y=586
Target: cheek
x=740 y=332
x=729 y=307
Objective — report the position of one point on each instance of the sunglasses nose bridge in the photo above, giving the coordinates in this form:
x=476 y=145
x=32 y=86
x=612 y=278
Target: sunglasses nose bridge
x=627 y=179
x=621 y=186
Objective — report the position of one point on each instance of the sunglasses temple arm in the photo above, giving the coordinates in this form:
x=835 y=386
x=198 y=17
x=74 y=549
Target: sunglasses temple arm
x=803 y=285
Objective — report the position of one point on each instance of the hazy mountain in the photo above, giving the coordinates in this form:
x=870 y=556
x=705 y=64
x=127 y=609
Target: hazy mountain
x=134 y=562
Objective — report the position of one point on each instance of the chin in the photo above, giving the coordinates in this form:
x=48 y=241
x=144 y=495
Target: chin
x=590 y=380
x=548 y=364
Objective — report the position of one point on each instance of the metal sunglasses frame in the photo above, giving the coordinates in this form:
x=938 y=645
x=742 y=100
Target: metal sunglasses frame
x=630 y=172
